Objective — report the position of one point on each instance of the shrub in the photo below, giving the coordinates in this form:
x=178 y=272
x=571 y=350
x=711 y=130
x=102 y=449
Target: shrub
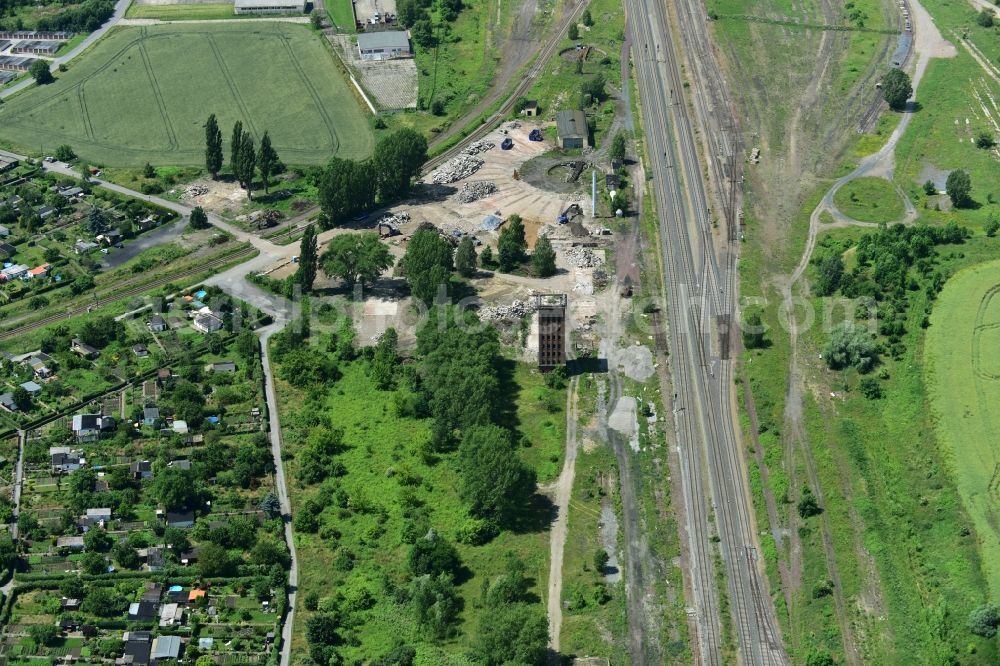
x=984 y=620
x=808 y=506
x=823 y=588
x=870 y=388
x=477 y=531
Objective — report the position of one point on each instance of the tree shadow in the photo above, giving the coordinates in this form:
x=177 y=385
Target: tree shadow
x=463 y=291
x=585 y=364
x=536 y=516
x=505 y=411
x=430 y=192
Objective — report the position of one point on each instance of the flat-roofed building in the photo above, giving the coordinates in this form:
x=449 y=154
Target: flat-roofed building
x=37 y=47
x=16 y=63
x=269 y=6
x=384 y=45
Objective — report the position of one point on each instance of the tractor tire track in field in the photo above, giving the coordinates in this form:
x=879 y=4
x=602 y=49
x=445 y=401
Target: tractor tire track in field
x=88 y=125
x=79 y=87
x=233 y=88
x=331 y=130
x=158 y=96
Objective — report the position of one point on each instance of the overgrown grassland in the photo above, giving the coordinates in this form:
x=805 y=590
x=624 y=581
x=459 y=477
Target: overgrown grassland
x=382 y=464
x=342 y=14
x=558 y=87
x=459 y=69
x=184 y=12
x=869 y=200
x=962 y=369
x=135 y=98
x=941 y=135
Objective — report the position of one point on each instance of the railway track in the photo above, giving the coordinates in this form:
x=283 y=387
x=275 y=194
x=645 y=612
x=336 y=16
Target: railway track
x=524 y=86
x=108 y=298
x=697 y=289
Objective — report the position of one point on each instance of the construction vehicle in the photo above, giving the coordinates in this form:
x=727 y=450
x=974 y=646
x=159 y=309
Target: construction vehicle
x=535 y=135
x=507 y=143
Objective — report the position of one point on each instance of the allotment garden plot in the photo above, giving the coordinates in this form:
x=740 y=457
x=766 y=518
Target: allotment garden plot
x=144 y=93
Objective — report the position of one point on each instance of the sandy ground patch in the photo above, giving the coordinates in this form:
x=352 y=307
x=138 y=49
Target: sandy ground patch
x=609 y=541
x=623 y=419
x=220 y=196
x=538 y=208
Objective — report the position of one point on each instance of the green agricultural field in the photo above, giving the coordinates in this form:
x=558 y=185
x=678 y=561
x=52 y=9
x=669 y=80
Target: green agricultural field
x=963 y=378
x=869 y=200
x=142 y=95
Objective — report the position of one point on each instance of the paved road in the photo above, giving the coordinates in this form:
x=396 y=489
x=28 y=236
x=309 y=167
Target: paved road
x=120 y=10
x=280 y=310
x=698 y=292
x=286 y=506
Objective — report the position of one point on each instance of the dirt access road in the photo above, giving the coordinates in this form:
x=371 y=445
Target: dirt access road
x=525 y=41
x=928 y=43
x=560 y=527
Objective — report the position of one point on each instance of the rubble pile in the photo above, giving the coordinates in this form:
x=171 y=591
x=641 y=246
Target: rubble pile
x=477 y=147
x=196 y=190
x=476 y=190
x=516 y=310
x=582 y=257
x=457 y=168
x=395 y=219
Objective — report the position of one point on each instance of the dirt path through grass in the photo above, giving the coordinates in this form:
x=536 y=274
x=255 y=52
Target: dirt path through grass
x=563 y=493
x=928 y=43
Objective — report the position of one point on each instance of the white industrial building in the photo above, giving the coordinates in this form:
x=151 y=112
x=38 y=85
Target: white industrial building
x=269 y=6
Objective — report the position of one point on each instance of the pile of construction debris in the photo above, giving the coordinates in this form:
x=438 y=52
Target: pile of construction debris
x=582 y=257
x=456 y=168
x=516 y=310
x=196 y=190
x=480 y=146
x=395 y=219
x=476 y=190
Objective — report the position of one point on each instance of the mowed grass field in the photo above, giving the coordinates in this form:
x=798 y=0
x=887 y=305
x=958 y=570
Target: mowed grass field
x=963 y=377
x=869 y=200
x=143 y=94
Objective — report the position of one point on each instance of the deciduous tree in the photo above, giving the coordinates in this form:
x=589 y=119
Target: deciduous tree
x=234 y=148
x=984 y=620
x=213 y=146
x=959 y=187
x=619 y=144
x=246 y=163
x=397 y=159
x=199 y=219
x=511 y=245
x=426 y=265
x=432 y=554
x=495 y=482
x=22 y=399
x=356 y=258
x=267 y=160
x=543 y=259
x=512 y=634
x=308 y=259
x=41 y=72
x=465 y=257
x=346 y=187
x=896 y=88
